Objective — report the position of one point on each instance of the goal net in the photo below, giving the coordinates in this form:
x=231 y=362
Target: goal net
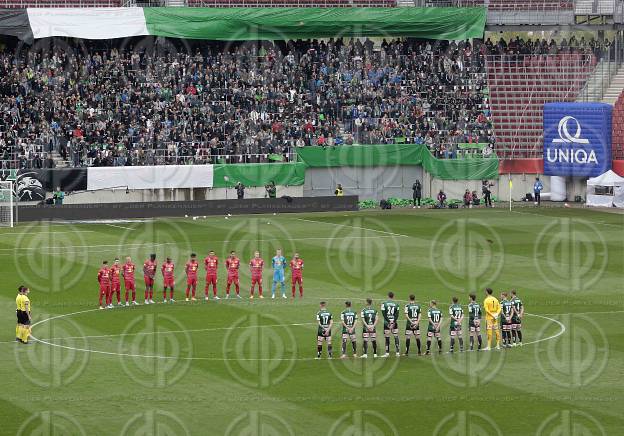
x=7 y=203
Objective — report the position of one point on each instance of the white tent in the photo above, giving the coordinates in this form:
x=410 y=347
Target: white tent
x=606 y=190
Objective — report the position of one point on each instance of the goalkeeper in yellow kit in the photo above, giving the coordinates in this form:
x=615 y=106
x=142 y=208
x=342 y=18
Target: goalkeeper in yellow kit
x=492 y=309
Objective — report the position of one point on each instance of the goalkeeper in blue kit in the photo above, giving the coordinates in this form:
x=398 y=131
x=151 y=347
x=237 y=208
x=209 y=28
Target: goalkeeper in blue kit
x=279 y=265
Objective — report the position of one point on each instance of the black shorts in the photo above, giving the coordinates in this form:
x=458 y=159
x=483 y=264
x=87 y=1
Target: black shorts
x=25 y=320
x=19 y=316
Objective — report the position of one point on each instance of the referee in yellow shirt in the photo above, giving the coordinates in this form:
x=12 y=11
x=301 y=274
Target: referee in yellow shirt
x=18 y=312
x=492 y=309
x=24 y=316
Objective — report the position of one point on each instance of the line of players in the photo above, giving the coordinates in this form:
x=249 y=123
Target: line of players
x=505 y=315
x=109 y=277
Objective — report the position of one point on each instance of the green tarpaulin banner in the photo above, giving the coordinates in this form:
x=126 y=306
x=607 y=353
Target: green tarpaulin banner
x=242 y=24
x=399 y=154
x=259 y=174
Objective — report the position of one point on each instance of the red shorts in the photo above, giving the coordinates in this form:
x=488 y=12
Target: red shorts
x=191 y=281
x=117 y=287
x=297 y=279
x=104 y=290
x=130 y=286
x=232 y=279
x=257 y=279
x=149 y=281
x=168 y=282
x=211 y=279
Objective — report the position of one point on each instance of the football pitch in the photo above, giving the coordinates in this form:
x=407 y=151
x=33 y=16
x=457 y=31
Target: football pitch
x=247 y=367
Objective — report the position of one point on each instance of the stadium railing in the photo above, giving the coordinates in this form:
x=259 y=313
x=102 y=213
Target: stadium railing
x=60 y=3
x=518 y=5
x=618 y=128
x=291 y=3
x=519 y=87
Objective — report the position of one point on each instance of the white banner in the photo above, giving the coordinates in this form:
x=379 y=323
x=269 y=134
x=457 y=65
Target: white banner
x=150 y=177
x=90 y=23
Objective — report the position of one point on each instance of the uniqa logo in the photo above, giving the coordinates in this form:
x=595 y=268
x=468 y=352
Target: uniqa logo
x=570 y=155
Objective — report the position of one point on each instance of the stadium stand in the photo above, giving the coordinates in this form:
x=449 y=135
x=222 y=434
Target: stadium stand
x=241 y=102
x=511 y=5
x=522 y=76
x=618 y=128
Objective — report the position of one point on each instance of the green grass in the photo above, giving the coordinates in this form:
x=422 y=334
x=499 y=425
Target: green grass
x=247 y=367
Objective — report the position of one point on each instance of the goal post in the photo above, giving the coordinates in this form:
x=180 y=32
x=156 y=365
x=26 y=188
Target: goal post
x=7 y=204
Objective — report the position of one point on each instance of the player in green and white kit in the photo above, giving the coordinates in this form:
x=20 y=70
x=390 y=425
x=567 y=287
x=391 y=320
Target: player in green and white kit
x=516 y=319
x=434 y=315
x=349 y=319
x=507 y=312
x=457 y=316
x=325 y=323
x=369 y=328
x=390 y=312
x=474 y=321
x=412 y=315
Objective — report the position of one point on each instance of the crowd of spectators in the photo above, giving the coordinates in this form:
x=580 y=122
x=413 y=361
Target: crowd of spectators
x=158 y=101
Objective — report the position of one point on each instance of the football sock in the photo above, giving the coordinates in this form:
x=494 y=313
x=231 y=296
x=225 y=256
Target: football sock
x=440 y=344
x=133 y=295
x=214 y=290
x=387 y=344
x=452 y=344
x=146 y=294
x=188 y=291
x=164 y=294
x=301 y=291
x=514 y=335
x=354 y=346
x=251 y=290
x=519 y=332
x=227 y=289
x=418 y=344
x=100 y=299
x=237 y=289
x=25 y=334
x=428 y=344
x=319 y=348
x=193 y=289
x=171 y=294
x=273 y=288
x=344 y=346
x=260 y=290
x=375 y=347
x=151 y=294
x=407 y=345
x=471 y=342
x=489 y=338
x=329 y=350
x=127 y=295
x=480 y=339
x=396 y=344
x=365 y=347
x=498 y=337
x=461 y=343
x=293 y=291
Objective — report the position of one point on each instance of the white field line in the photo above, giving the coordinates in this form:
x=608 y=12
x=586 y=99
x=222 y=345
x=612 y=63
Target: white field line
x=561 y=331
x=353 y=227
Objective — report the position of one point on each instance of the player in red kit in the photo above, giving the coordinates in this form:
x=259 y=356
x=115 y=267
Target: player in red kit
x=296 y=266
x=116 y=281
x=167 y=272
x=232 y=263
x=128 y=275
x=104 y=279
x=256 y=265
x=191 y=268
x=210 y=263
x=149 y=273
